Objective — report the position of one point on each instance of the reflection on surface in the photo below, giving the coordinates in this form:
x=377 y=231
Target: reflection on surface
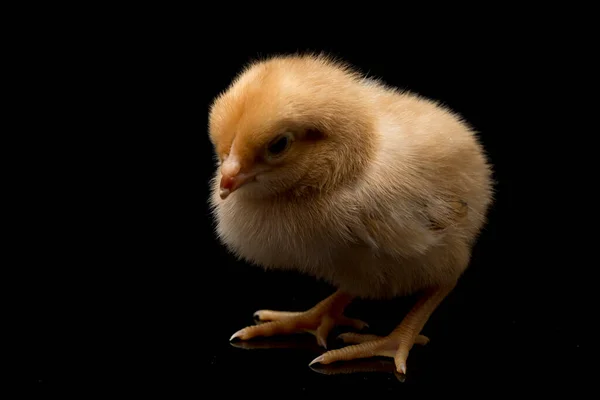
x=296 y=341
x=307 y=342
x=375 y=364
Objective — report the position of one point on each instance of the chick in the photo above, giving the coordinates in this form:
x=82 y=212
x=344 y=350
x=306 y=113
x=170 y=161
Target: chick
x=378 y=191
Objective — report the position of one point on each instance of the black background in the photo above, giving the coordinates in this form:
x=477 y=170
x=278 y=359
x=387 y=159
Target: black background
x=131 y=286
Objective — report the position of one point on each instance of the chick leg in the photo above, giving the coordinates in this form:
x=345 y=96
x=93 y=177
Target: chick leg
x=398 y=343
x=319 y=320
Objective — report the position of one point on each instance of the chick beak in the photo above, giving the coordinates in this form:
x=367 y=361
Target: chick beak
x=232 y=178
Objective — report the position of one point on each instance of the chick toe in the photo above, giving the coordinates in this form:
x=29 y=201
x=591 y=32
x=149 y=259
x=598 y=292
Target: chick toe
x=319 y=321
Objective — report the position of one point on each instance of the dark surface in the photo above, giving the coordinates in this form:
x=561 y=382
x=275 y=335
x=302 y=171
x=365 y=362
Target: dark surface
x=495 y=329
x=134 y=289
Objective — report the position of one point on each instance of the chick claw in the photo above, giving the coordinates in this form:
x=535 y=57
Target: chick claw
x=395 y=346
x=319 y=321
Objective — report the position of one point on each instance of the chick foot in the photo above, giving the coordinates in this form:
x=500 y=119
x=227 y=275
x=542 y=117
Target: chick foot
x=319 y=320
x=357 y=338
x=397 y=344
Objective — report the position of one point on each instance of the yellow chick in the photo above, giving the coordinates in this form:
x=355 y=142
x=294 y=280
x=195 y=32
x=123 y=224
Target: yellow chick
x=380 y=192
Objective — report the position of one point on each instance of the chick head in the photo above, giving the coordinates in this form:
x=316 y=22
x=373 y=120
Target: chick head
x=288 y=122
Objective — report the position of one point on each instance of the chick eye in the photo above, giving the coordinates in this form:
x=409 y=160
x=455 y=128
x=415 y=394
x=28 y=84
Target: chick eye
x=279 y=145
